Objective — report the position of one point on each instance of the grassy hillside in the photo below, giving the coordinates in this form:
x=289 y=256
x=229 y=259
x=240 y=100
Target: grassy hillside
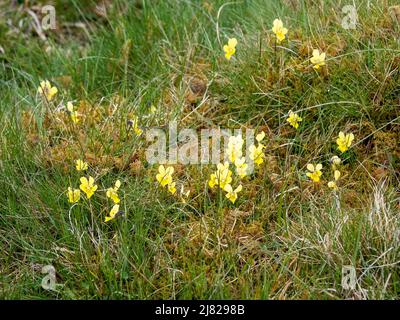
x=129 y=66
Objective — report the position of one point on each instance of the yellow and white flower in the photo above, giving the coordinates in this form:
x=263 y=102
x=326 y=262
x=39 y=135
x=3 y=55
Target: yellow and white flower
x=234 y=150
x=318 y=59
x=81 y=165
x=164 y=176
x=257 y=154
x=230 y=48
x=294 y=119
x=279 y=30
x=344 y=141
x=315 y=172
x=241 y=167
x=231 y=194
x=221 y=177
x=113 y=213
x=46 y=90
x=88 y=186
x=112 y=193
x=73 y=195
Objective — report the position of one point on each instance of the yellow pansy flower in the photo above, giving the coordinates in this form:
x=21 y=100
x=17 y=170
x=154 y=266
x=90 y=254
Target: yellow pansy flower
x=318 y=60
x=279 y=30
x=232 y=194
x=344 y=141
x=257 y=154
x=81 y=165
x=73 y=114
x=172 y=188
x=113 y=213
x=241 y=167
x=46 y=90
x=164 y=175
x=112 y=193
x=230 y=48
x=73 y=195
x=224 y=175
x=221 y=177
x=88 y=186
x=294 y=119
x=234 y=149
x=332 y=184
x=315 y=172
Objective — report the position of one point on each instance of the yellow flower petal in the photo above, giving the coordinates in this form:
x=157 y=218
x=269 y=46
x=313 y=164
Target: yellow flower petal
x=112 y=214
x=337 y=175
x=232 y=42
x=332 y=184
x=260 y=136
x=172 y=188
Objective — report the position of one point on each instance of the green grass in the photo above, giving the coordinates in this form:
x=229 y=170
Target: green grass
x=284 y=238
